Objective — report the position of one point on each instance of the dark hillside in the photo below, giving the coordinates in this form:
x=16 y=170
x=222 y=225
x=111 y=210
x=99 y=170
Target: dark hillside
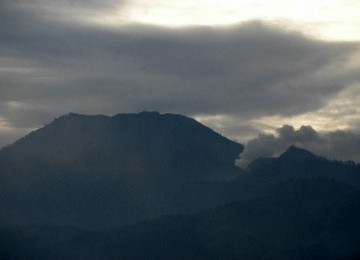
x=299 y=219
x=293 y=164
x=103 y=171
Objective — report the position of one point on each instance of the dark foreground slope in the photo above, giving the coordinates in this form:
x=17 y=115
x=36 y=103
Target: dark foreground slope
x=303 y=219
x=299 y=219
x=95 y=171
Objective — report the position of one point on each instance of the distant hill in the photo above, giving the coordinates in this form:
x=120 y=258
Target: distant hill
x=299 y=219
x=293 y=164
x=98 y=171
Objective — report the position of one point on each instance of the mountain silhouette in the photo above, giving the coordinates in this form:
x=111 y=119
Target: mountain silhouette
x=294 y=153
x=163 y=186
x=106 y=171
x=138 y=143
x=295 y=163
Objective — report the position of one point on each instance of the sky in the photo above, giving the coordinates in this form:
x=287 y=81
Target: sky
x=245 y=68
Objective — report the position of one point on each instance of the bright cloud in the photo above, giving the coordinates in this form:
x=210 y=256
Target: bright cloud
x=330 y=19
x=198 y=58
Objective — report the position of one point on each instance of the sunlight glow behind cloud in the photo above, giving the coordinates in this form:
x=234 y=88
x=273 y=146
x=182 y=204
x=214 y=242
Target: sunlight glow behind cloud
x=330 y=20
x=339 y=113
x=239 y=67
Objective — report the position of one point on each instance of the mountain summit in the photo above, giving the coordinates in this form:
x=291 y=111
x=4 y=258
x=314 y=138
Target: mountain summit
x=79 y=168
x=297 y=163
x=294 y=153
x=129 y=145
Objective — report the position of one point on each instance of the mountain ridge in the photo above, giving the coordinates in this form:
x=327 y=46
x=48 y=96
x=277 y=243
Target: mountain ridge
x=136 y=166
x=299 y=154
x=165 y=186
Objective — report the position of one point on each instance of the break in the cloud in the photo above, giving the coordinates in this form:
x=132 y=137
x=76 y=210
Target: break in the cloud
x=235 y=79
x=343 y=145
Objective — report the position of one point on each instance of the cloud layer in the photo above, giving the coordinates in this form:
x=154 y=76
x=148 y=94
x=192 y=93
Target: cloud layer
x=52 y=62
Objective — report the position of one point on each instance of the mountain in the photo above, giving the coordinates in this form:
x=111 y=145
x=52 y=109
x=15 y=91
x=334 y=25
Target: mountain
x=163 y=186
x=293 y=164
x=299 y=219
x=299 y=155
x=293 y=155
x=135 y=143
x=95 y=171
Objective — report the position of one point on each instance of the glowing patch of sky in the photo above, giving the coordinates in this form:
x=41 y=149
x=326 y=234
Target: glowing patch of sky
x=340 y=113
x=4 y=125
x=330 y=19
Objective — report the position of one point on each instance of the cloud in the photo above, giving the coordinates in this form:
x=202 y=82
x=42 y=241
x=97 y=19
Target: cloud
x=52 y=65
x=62 y=9
x=342 y=145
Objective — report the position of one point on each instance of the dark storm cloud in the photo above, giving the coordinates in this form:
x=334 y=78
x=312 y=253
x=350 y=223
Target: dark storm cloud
x=50 y=65
x=343 y=145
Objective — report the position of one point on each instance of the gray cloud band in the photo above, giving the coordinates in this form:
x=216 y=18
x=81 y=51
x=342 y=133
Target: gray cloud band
x=51 y=66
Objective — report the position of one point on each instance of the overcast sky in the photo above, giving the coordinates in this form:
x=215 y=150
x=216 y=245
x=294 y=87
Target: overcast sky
x=240 y=67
